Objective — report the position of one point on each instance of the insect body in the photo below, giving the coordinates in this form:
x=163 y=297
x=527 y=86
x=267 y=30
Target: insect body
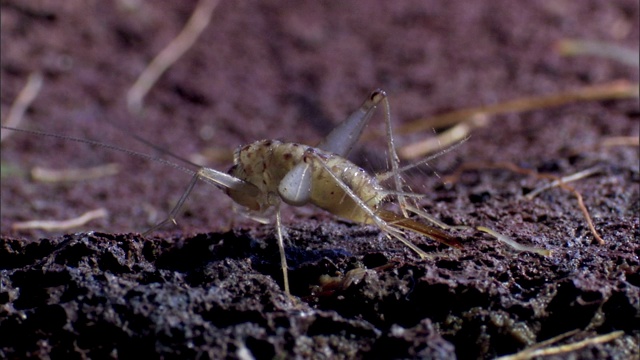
x=268 y=172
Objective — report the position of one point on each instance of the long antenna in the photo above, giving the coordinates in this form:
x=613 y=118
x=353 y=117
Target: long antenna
x=130 y=133
x=112 y=147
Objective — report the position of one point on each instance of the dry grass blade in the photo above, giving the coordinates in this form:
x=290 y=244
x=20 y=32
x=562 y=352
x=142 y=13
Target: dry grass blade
x=22 y=102
x=56 y=225
x=68 y=175
x=177 y=47
x=562 y=349
x=563 y=180
x=620 y=89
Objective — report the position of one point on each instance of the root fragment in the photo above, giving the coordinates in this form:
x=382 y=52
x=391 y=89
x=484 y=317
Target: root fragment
x=56 y=225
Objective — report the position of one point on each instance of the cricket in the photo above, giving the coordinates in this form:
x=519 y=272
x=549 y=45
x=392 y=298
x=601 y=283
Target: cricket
x=267 y=173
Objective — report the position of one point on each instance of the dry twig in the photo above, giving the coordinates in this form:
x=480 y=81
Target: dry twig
x=568 y=47
x=55 y=225
x=177 y=47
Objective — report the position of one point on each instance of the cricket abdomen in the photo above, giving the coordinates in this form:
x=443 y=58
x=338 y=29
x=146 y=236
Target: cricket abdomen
x=327 y=194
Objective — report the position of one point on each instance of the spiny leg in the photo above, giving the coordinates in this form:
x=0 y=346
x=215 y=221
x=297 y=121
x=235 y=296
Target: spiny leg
x=227 y=181
x=423 y=214
x=398 y=221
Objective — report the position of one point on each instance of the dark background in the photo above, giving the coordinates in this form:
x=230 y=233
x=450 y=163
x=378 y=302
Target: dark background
x=290 y=71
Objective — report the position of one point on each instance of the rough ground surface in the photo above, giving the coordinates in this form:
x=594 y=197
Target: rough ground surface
x=212 y=287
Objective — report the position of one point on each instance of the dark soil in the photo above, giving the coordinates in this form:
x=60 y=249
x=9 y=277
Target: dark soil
x=212 y=286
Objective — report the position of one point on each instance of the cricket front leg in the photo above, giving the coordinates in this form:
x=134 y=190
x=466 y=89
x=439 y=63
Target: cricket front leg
x=283 y=258
x=219 y=179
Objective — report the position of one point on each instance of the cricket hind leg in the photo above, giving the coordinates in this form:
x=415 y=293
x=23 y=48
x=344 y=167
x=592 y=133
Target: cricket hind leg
x=343 y=137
